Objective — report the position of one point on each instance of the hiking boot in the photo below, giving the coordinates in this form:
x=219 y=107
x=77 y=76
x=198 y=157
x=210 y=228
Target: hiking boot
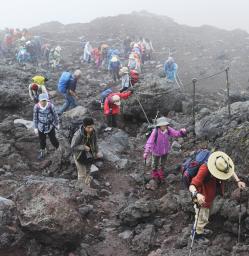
x=155 y=174
x=41 y=154
x=160 y=174
x=207 y=232
x=200 y=239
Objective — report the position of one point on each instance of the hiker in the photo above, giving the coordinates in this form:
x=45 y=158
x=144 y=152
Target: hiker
x=35 y=90
x=67 y=87
x=125 y=78
x=170 y=69
x=208 y=182
x=85 y=149
x=112 y=106
x=115 y=67
x=96 y=55
x=158 y=145
x=148 y=49
x=45 y=120
x=87 y=52
x=55 y=57
x=23 y=56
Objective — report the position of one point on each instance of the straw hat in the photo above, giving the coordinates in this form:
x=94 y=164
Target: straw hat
x=220 y=165
x=124 y=70
x=162 y=121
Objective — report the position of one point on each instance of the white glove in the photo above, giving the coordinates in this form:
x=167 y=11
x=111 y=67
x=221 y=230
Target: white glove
x=36 y=131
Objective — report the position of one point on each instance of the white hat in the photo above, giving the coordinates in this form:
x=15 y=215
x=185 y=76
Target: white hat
x=220 y=165
x=116 y=100
x=162 y=121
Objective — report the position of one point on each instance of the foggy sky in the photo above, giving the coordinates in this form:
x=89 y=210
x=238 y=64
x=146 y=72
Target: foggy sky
x=227 y=14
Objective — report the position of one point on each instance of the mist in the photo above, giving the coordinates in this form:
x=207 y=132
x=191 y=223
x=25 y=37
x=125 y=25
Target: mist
x=223 y=14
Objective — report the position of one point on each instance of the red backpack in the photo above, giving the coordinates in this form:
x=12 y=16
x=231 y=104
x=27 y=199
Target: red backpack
x=134 y=76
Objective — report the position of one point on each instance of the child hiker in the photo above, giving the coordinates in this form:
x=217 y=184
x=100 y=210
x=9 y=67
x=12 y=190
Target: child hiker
x=159 y=146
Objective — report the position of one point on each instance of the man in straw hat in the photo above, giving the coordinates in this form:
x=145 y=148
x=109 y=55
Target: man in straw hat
x=209 y=182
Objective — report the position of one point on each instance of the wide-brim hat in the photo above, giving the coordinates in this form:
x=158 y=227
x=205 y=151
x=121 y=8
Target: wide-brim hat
x=162 y=121
x=220 y=165
x=116 y=100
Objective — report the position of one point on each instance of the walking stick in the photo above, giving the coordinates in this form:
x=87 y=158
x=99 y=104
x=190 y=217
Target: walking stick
x=239 y=227
x=144 y=175
x=193 y=236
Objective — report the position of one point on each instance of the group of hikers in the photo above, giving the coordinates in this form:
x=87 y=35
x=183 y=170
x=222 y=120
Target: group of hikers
x=25 y=48
x=204 y=172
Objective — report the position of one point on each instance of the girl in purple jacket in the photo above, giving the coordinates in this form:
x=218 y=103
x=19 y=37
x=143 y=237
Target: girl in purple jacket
x=158 y=145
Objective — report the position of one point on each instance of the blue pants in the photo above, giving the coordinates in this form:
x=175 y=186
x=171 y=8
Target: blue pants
x=69 y=103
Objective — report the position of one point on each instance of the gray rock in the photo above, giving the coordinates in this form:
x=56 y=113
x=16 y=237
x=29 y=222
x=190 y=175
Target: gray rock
x=26 y=123
x=126 y=235
x=78 y=112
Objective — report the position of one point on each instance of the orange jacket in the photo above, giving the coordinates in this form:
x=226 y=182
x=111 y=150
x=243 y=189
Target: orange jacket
x=111 y=108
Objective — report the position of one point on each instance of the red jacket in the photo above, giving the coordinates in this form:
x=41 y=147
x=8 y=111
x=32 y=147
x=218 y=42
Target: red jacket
x=115 y=108
x=207 y=185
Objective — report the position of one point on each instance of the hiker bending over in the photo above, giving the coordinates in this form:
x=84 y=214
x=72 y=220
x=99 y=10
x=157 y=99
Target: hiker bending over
x=208 y=182
x=170 y=69
x=37 y=87
x=67 y=87
x=159 y=146
x=85 y=149
x=112 y=106
x=45 y=120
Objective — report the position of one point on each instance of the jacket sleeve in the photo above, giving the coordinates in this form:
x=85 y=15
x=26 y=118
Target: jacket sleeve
x=106 y=106
x=174 y=133
x=150 y=142
x=35 y=117
x=30 y=92
x=76 y=142
x=198 y=180
x=124 y=95
x=55 y=115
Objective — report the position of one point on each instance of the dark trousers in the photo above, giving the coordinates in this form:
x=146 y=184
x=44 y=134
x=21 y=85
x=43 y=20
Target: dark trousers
x=112 y=120
x=52 y=137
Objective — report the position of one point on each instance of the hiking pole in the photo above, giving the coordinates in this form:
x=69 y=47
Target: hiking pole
x=194 y=231
x=239 y=227
x=144 y=174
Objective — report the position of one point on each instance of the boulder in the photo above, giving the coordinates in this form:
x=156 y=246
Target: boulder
x=46 y=208
x=10 y=233
x=78 y=112
x=26 y=123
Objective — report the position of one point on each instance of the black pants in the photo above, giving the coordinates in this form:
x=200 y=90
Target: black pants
x=52 y=137
x=112 y=120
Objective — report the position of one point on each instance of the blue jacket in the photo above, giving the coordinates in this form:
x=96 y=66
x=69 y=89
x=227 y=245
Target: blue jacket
x=170 y=70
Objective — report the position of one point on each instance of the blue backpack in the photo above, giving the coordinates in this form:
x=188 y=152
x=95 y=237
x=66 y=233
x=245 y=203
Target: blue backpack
x=104 y=95
x=191 y=165
x=64 y=82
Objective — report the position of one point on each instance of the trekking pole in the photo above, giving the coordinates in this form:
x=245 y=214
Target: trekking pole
x=193 y=236
x=239 y=227
x=228 y=93
x=140 y=104
x=144 y=174
x=193 y=109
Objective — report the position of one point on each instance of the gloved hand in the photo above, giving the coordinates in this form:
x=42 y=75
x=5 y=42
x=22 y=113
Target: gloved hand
x=36 y=131
x=145 y=156
x=183 y=131
x=131 y=89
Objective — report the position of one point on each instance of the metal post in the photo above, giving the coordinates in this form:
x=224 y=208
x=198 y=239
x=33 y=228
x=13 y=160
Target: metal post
x=193 y=110
x=228 y=93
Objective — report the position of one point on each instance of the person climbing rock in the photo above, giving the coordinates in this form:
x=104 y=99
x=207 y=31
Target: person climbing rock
x=37 y=87
x=45 y=120
x=67 y=87
x=208 y=182
x=85 y=149
x=170 y=69
x=125 y=79
x=158 y=146
x=112 y=106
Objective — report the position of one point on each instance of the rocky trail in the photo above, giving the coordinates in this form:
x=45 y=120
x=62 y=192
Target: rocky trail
x=44 y=211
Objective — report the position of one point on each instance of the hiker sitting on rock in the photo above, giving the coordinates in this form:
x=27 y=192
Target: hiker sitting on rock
x=37 y=87
x=45 y=120
x=208 y=182
x=170 y=69
x=159 y=146
x=85 y=149
x=112 y=106
x=67 y=87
